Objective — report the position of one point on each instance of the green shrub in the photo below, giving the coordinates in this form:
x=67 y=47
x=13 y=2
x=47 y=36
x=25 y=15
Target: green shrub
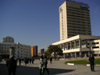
x=97 y=61
x=78 y=62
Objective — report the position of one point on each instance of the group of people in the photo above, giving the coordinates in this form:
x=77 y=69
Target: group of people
x=31 y=61
x=12 y=64
x=26 y=61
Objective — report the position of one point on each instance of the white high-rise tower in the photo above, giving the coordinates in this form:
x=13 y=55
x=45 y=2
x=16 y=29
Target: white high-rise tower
x=74 y=19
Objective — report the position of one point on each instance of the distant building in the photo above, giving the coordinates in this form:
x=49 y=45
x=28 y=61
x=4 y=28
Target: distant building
x=42 y=51
x=8 y=39
x=34 y=51
x=21 y=50
x=7 y=42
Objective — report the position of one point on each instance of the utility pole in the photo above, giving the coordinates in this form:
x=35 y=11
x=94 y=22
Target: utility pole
x=90 y=46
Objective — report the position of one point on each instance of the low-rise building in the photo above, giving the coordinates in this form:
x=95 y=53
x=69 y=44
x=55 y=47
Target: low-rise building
x=80 y=45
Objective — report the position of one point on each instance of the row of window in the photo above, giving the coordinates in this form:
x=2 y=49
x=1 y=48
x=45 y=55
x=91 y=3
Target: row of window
x=78 y=13
x=73 y=45
x=82 y=19
x=78 y=16
x=95 y=47
x=78 y=22
x=77 y=9
x=79 y=28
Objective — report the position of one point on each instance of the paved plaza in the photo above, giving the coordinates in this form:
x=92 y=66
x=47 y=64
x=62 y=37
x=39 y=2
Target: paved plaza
x=56 y=68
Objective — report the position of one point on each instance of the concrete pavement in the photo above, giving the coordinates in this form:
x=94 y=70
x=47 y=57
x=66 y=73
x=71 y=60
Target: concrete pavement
x=56 y=68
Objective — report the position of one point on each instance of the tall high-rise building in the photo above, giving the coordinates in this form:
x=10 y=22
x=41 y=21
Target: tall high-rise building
x=74 y=19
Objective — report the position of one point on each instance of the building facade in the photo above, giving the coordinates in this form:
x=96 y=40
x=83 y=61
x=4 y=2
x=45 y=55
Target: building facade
x=74 y=19
x=34 y=51
x=96 y=46
x=21 y=50
x=80 y=45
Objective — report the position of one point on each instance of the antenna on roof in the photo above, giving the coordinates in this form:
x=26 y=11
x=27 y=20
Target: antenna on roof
x=68 y=0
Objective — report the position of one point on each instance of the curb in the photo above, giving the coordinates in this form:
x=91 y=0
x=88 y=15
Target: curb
x=72 y=64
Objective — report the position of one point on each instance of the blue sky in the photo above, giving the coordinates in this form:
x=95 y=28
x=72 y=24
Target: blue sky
x=36 y=22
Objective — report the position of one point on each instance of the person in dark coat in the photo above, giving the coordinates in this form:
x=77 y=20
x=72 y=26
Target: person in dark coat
x=32 y=60
x=11 y=65
x=51 y=60
x=19 y=61
x=91 y=60
x=26 y=61
x=45 y=62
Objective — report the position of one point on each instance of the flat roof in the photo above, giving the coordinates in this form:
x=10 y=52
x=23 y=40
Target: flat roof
x=82 y=37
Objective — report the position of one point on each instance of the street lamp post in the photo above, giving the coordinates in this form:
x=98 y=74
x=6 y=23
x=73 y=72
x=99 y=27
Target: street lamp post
x=90 y=46
x=12 y=52
x=18 y=49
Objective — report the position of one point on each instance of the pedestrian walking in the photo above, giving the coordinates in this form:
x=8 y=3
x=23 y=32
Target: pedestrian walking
x=41 y=67
x=45 y=62
x=19 y=61
x=51 y=60
x=91 y=60
x=11 y=65
x=32 y=60
x=26 y=61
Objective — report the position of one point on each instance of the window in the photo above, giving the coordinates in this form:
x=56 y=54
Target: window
x=95 y=47
x=95 y=43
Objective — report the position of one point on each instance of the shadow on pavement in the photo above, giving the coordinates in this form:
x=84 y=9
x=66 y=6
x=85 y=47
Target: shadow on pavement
x=25 y=70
